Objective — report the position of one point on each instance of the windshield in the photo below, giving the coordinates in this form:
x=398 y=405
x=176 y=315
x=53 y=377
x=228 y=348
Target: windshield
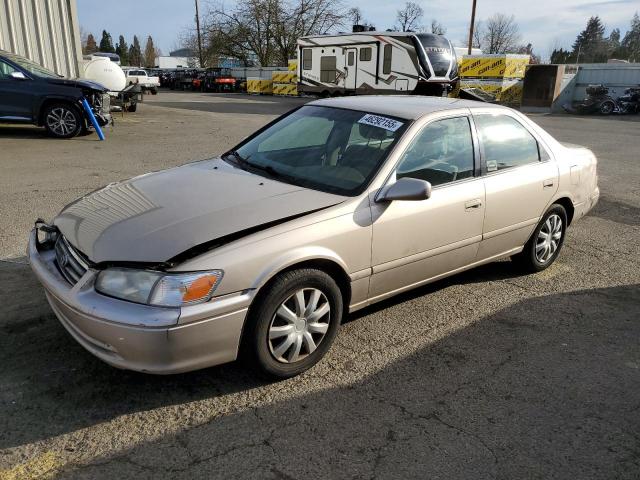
x=439 y=52
x=328 y=149
x=30 y=66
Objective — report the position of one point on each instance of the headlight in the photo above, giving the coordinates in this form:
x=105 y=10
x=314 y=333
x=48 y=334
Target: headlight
x=158 y=288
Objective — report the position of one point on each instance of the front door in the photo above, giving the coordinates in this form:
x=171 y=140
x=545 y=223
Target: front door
x=15 y=96
x=521 y=179
x=414 y=241
x=350 y=68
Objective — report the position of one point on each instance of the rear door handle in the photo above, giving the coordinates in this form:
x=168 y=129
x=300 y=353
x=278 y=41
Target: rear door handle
x=472 y=204
x=548 y=183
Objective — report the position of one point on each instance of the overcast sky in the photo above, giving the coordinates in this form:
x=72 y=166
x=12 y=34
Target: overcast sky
x=544 y=23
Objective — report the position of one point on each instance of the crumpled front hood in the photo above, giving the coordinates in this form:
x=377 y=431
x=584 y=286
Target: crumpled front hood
x=154 y=217
x=78 y=82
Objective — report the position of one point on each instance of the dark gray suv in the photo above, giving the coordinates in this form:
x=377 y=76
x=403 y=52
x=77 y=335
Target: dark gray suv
x=29 y=93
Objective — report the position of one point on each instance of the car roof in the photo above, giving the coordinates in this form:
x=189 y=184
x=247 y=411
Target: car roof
x=408 y=107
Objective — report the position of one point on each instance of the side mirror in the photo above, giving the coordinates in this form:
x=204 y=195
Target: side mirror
x=407 y=189
x=18 y=75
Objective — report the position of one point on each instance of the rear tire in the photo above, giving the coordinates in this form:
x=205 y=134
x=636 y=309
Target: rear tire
x=292 y=323
x=545 y=243
x=62 y=120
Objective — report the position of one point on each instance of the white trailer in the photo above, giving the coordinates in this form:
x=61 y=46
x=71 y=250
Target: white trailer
x=376 y=62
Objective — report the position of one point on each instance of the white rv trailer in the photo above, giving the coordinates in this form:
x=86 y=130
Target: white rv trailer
x=376 y=62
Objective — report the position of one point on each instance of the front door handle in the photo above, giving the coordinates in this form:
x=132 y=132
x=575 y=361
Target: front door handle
x=548 y=183
x=473 y=204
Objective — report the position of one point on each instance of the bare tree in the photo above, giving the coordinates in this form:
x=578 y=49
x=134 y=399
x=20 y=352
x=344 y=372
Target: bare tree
x=266 y=31
x=409 y=17
x=299 y=18
x=354 y=14
x=478 y=34
x=437 y=28
x=501 y=34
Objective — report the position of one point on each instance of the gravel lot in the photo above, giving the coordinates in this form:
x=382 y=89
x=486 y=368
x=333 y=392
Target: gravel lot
x=484 y=375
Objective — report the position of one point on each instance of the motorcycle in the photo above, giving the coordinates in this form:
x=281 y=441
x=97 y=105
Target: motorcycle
x=630 y=101
x=599 y=101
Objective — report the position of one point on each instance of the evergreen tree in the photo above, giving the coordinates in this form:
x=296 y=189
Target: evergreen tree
x=122 y=49
x=90 y=46
x=135 y=54
x=560 y=56
x=106 y=43
x=149 y=53
x=630 y=44
x=590 y=46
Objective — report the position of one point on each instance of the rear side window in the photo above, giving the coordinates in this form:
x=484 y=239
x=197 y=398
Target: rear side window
x=441 y=153
x=328 y=69
x=386 y=64
x=306 y=59
x=365 y=54
x=506 y=142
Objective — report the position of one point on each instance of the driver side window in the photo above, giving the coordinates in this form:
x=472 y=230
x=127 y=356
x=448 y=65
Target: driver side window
x=5 y=70
x=441 y=153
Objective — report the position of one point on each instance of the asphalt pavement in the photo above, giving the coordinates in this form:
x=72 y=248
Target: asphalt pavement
x=488 y=374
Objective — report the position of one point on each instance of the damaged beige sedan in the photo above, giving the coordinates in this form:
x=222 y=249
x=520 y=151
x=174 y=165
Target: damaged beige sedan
x=330 y=208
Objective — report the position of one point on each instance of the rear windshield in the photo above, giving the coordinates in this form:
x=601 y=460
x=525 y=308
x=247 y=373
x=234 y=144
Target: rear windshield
x=329 y=149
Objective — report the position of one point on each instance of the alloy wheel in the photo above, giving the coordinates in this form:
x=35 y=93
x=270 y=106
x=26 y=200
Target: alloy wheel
x=299 y=325
x=549 y=238
x=61 y=121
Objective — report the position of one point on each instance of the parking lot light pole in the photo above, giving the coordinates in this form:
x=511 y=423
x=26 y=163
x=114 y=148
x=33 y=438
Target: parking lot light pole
x=472 y=26
x=199 y=37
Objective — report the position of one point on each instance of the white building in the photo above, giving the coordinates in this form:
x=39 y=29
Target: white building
x=46 y=32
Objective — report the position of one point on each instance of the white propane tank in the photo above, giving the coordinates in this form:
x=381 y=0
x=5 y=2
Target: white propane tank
x=104 y=71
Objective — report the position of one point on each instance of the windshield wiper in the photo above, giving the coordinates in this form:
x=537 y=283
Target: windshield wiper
x=244 y=162
x=237 y=158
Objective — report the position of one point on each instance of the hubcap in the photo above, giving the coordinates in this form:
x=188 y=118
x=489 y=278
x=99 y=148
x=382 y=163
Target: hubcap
x=549 y=238
x=61 y=121
x=299 y=325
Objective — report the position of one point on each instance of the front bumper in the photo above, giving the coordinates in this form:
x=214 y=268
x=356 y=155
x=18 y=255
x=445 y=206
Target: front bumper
x=140 y=337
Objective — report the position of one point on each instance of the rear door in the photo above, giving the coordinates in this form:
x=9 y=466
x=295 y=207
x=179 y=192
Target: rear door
x=521 y=178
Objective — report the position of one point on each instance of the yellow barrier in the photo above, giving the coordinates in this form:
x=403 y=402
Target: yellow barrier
x=493 y=66
x=285 y=89
x=284 y=77
x=293 y=65
x=507 y=91
x=259 y=86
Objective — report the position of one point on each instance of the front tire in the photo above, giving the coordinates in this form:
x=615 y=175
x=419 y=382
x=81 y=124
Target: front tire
x=293 y=323
x=607 y=108
x=545 y=243
x=62 y=120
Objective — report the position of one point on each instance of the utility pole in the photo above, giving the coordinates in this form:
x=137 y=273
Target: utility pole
x=199 y=37
x=471 y=26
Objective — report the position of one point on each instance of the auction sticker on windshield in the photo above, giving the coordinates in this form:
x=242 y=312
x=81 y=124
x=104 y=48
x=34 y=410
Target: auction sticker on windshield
x=382 y=122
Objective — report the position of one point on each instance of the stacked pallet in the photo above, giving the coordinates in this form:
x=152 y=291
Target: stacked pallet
x=286 y=82
x=501 y=76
